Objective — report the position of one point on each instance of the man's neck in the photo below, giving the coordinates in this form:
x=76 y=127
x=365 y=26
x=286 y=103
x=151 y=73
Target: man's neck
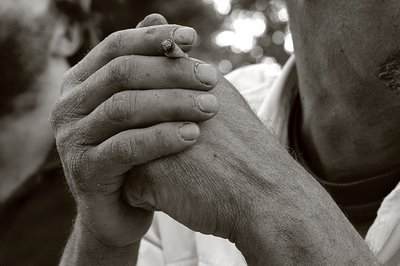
x=343 y=143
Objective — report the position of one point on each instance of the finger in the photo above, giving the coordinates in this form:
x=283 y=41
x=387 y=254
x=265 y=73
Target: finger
x=142 y=41
x=152 y=20
x=138 y=146
x=140 y=73
x=139 y=109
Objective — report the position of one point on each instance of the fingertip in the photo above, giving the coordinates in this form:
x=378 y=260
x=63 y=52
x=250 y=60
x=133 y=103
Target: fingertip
x=207 y=103
x=154 y=20
x=189 y=132
x=140 y=24
x=206 y=74
x=184 y=35
x=192 y=43
x=186 y=48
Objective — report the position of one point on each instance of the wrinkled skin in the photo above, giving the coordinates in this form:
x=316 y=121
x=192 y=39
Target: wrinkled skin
x=347 y=57
x=211 y=177
x=239 y=183
x=138 y=115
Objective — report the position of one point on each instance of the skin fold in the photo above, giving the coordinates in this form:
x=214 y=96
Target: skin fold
x=349 y=115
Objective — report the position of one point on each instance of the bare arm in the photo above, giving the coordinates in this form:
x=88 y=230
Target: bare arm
x=238 y=183
x=304 y=226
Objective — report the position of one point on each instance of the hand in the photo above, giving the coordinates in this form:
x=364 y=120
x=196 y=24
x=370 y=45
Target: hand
x=120 y=107
x=206 y=186
x=238 y=183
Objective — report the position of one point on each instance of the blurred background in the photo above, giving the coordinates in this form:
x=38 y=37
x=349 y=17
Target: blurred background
x=233 y=33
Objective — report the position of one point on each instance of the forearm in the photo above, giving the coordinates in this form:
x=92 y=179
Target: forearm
x=83 y=248
x=306 y=228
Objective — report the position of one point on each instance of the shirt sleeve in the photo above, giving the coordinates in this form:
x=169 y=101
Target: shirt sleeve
x=384 y=235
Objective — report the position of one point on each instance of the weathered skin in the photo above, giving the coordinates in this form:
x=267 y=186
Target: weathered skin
x=238 y=183
x=350 y=116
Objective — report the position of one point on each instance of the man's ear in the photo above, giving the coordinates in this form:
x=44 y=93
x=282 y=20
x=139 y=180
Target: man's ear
x=67 y=38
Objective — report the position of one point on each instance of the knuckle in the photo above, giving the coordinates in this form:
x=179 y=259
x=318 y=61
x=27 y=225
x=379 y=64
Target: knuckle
x=54 y=117
x=140 y=148
x=121 y=70
x=118 y=108
x=72 y=136
x=71 y=78
x=65 y=141
x=113 y=43
x=77 y=169
x=150 y=34
x=123 y=150
x=61 y=113
x=66 y=81
x=57 y=115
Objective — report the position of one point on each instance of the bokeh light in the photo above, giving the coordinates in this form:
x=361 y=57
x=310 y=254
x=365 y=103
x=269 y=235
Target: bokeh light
x=223 y=7
x=283 y=15
x=225 y=66
x=288 y=43
x=231 y=33
x=278 y=37
x=245 y=27
x=271 y=65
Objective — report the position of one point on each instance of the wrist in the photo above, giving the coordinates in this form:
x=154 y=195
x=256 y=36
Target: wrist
x=113 y=222
x=86 y=248
x=295 y=221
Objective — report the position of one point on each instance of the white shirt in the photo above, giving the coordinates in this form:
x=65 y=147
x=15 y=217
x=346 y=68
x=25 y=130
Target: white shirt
x=271 y=96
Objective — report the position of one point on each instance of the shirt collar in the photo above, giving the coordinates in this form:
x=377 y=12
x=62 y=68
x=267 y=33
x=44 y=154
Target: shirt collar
x=276 y=108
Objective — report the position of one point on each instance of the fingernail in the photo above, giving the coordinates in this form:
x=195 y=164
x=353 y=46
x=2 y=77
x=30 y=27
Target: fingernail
x=207 y=103
x=184 y=35
x=207 y=74
x=189 y=131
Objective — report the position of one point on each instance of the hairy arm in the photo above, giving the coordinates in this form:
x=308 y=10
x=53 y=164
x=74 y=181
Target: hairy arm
x=304 y=226
x=239 y=183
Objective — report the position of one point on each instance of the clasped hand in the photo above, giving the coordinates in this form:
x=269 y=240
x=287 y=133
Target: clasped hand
x=123 y=105
x=124 y=112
